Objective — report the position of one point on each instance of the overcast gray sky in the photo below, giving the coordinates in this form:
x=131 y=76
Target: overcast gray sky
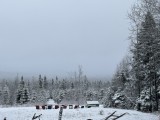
x=55 y=36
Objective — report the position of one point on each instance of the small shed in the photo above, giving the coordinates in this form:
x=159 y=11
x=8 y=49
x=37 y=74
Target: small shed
x=92 y=104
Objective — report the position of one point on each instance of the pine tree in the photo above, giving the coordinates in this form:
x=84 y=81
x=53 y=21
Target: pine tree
x=120 y=100
x=40 y=82
x=101 y=94
x=57 y=83
x=25 y=97
x=45 y=83
x=89 y=95
x=143 y=102
x=86 y=83
x=146 y=58
x=43 y=96
x=20 y=91
x=99 y=85
x=33 y=96
x=72 y=85
x=63 y=85
x=107 y=99
x=1 y=91
x=6 y=95
x=53 y=83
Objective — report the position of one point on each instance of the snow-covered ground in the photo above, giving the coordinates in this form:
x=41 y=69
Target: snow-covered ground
x=26 y=113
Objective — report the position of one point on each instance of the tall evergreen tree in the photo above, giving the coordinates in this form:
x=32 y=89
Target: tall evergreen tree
x=63 y=85
x=20 y=91
x=45 y=83
x=25 y=98
x=72 y=85
x=6 y=95
x=145 y=56
x=40 y=82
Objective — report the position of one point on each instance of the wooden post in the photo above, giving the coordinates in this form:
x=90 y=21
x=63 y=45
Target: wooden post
x=60 y=113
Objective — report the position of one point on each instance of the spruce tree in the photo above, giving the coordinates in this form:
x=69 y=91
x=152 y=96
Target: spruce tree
x=20 y=91
x=145 y=56
x=72 y=85
x=6 y=95
x=63 y=85
x=45 y=83
x=25 y=98
x=40 y=82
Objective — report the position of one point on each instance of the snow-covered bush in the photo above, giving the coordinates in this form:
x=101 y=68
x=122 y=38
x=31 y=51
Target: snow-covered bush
x=107 y=99
x=119 y=100
x=144 y=102
x=101 y=112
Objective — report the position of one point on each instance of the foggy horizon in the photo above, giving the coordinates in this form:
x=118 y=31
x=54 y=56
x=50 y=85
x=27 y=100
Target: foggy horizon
x=54 y=37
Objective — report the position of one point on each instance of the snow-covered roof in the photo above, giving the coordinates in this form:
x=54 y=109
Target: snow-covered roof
x=51 y=102
x=92 y=102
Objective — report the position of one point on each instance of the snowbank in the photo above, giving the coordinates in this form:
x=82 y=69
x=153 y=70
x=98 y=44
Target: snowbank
x=26 y=113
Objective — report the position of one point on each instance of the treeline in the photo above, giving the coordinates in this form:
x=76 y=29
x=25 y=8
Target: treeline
x=136 y=83
x=75 y=90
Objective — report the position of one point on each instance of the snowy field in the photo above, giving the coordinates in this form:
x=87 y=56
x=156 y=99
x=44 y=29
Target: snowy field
x=26 y=113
